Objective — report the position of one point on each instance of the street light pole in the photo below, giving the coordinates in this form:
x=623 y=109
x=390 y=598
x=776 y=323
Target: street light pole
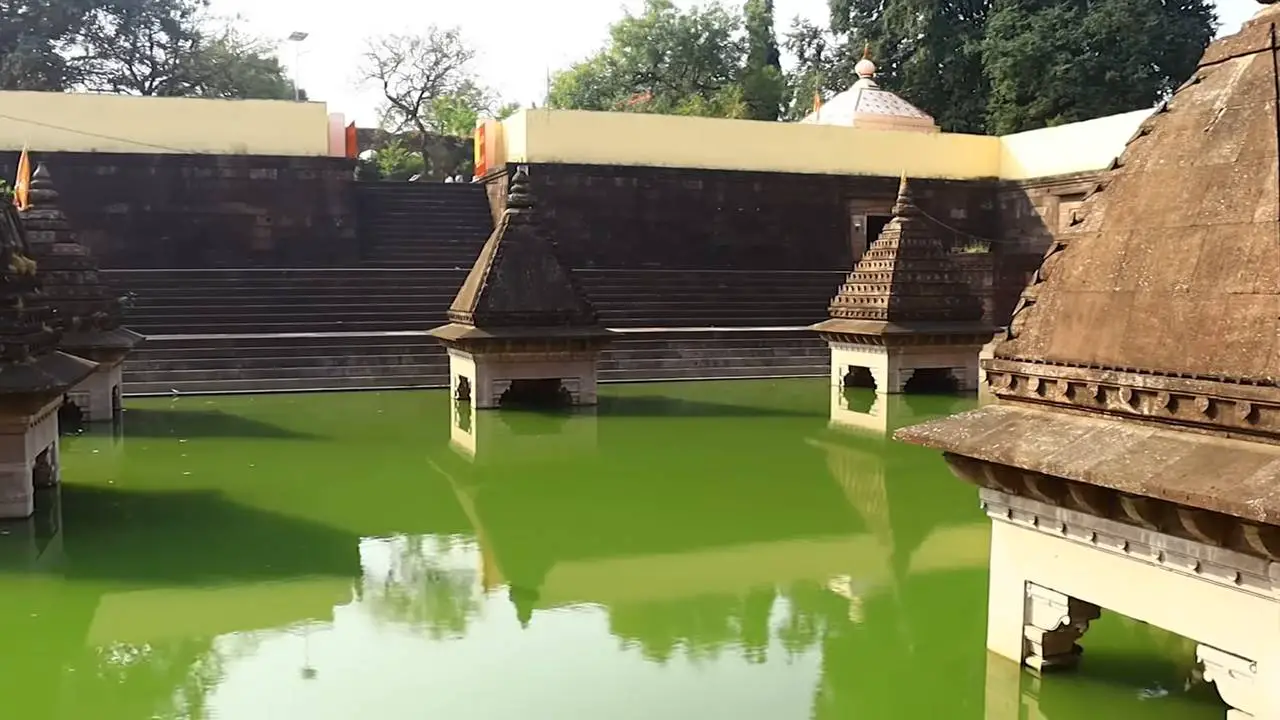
x=296 y=38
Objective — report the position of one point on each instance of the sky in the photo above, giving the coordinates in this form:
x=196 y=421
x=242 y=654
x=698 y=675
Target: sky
x=517 y=41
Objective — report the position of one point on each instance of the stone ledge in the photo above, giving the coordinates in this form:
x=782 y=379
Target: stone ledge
x=1187 y=557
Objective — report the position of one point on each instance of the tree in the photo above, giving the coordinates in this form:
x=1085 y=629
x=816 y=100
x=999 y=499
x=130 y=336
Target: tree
x=823 y=65
x=1005 y=65
x=35 y=39
x=1050 y=63
x=428 y=86
x=137 y=47
x=143 y=47
x=229 y=63
x=762 y=79
x=929 y=51
x=662 y=60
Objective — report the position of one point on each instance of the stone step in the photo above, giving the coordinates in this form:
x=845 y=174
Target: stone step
x=173 y=328
x=425 y=189
x=166 y=300
x=286 y=384
x=294 y=371
x=145 y=362
x=148 y=359
x=245 y=311
x=234 y=344
x=238 y=276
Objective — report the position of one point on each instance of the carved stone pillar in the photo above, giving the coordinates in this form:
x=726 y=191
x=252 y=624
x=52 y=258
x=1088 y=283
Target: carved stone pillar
x=1053 y=622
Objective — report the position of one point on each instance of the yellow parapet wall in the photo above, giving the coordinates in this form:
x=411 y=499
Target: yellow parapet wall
x=81 y=122
x=1077 y=147
x=597 y=138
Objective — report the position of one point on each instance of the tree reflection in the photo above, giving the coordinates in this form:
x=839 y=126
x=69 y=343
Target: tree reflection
x=701 y=628
x=425 y=584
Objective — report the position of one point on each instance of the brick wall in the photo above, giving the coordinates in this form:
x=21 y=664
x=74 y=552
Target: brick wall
x=199 y=211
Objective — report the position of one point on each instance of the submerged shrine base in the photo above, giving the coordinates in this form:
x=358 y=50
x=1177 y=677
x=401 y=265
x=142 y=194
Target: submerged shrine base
x=1054 y=570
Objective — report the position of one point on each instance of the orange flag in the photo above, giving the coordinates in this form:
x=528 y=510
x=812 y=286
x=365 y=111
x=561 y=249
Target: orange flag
x=817 y=101
x=22 y=187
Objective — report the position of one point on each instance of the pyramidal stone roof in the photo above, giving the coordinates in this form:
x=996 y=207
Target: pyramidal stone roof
x=1144 y=357
x=30 y=363
x=905 y=280
x=518 y=287
x=87 y=312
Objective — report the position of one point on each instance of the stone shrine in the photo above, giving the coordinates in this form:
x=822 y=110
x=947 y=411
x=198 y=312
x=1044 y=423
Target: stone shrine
x=521 y=331
x=34 y=376
x=87 y=312
x=868 y=106
x=1131 y=459
x=904 y=309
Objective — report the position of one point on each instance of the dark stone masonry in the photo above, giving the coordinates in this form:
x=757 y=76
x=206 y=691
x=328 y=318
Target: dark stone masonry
x=241 y=246
x=158 y=211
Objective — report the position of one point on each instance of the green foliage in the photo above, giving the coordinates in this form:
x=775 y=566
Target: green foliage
x=139 y=47
x=1002 y=66
x=429 y=90
x=6 y=192
x=396 y=161
x=662 y=60
x=763 y=84
x=1060 y=62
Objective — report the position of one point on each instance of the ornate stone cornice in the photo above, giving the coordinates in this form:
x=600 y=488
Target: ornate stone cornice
x=1136 y=521
x=1197 y=403
x=907 y=340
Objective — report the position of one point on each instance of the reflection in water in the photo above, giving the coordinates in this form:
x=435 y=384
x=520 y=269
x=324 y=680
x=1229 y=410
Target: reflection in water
x=730 y=552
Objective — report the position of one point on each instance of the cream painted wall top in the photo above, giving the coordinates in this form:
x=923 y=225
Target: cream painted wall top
x=81 y=122
x=599 y=138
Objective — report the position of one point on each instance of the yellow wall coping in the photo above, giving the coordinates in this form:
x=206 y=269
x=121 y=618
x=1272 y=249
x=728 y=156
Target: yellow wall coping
x=88 y=122
x=635 y=139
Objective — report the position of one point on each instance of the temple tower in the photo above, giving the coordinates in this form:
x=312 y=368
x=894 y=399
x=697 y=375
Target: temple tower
x=34 y=376
x=521 y=331
x=903 y=309
x=1131 y=459
x=87 y=313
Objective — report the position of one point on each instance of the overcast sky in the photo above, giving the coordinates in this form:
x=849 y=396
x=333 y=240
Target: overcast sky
x=517 y=41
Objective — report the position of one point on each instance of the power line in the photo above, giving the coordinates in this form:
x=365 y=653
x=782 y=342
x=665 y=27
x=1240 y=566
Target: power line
x=100 y=136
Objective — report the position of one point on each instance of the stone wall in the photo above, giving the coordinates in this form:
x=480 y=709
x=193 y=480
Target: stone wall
x=203 y=211
x=671 y=218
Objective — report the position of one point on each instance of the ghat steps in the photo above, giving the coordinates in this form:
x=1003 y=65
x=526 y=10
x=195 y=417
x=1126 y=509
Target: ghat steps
x=274 y=363
x=266 y=330
x=416 y=225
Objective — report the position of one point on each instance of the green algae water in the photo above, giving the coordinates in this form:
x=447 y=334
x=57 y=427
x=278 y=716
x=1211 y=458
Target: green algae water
x=697 y=550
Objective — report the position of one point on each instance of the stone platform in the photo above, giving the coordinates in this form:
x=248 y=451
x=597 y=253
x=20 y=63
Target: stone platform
x=305 y=362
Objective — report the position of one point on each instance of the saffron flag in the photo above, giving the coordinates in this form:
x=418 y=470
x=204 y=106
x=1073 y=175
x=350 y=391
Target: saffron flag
x=481 y=153
x=817 y=101
x=22 y=187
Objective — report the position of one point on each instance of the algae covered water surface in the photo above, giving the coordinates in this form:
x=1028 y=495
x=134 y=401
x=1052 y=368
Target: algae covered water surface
x=695 y=550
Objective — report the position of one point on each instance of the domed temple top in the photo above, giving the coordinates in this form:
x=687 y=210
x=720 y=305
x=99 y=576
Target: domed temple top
x=518 y=286
x=87 y=312
x=905 y=282
x=1144 y=357
x=867 y=105
x=30 y=363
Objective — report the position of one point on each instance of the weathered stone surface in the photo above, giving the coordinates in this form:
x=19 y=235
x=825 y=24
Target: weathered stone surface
x=518 y=288
x=30 y=364
x=86 y=311
x=154 y=210
x=907 y=275
x=1143 y=356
